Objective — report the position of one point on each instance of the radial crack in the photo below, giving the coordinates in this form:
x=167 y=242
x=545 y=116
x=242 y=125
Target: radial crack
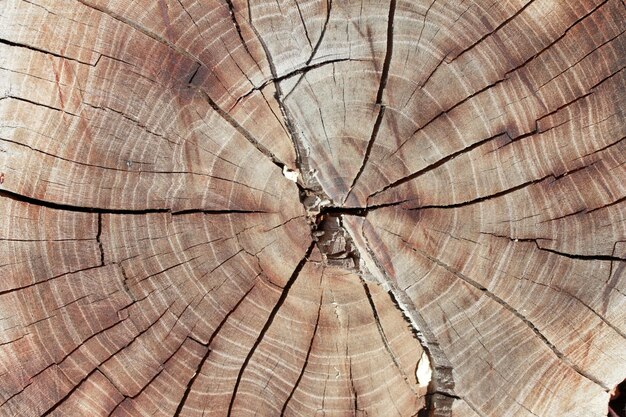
x=306 y=361
x=436 y=164
x=560 y=355
x=99 y=239
x=207 y=345
x=43 y=51
x=138 y=28
x=243 y=131
x=485 y=36
x=383 y=337
x=82 y=209
x=379 y=96
x=329 y=5
x=268 y=323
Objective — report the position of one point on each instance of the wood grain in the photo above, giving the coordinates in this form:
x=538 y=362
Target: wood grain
x=281 y=208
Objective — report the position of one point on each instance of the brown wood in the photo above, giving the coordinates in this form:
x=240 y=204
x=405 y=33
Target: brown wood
x=268 y=208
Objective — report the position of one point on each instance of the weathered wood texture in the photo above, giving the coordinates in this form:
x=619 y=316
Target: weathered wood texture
x=460 y=196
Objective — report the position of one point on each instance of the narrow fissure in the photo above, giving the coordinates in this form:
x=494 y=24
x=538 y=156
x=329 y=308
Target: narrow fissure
x=338 y=248
x=84 y=209
x=379 y=97
x=207 y=345
x=99 y=239
x=268 y=323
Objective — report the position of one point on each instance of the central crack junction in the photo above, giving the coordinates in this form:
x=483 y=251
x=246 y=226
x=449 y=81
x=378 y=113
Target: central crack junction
x=334 y=242
x=338 y=248
x=326 y=221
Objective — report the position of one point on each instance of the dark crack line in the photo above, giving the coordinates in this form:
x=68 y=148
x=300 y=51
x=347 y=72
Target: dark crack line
x=442 y=377
x=357 y=211
x=125 y=171
x=43 y=51
x=149 y=383
x=99 y=239
x=306 y=31
x=355 y=394
x=97 y=367
x=368 y=149
x=25 y=100
x=298 y=71
x=207 y=345
x=503 y=192
x=422 y=84
x=190 y=18
x=125 y=283
x=614 y=203
x=74 y=389
x=436 y=164
x=506 y=77
x=560 y=355
x=231 y=10
x=485 y=198
x=44 y=240
x=243 y=131
x=193 y=75
x=23 y=287
x=138 y=28
x=379 y=96
x=306 y=362
x=445 y=112
x=329 y=5
x=604 y=148
x=581 y=257
x=611 y=258
x=81 y=209
x=233 y=211
x=103 y=167
x=419 y=38
x=552 y=43
x=268 y=323
x=136 y=122
x=485 y=36
x=291 y=129
x=382 y=334
x=388 y=53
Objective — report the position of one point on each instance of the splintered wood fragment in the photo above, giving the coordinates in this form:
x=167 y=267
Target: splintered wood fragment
x=312 y=208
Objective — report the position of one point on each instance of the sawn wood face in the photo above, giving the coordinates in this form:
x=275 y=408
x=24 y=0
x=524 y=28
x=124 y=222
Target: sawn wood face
x=280 y=208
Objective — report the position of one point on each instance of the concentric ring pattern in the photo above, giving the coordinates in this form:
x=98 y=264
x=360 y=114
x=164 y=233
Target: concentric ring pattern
x=157 y=258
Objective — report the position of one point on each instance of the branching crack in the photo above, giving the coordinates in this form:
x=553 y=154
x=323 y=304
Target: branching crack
x=243 y=131
x=268 y=323
x=207 y=345
x=231 y=9
x=329 y=5
x=379 y=96
x=139 y=28
x=298 y=71
x=306 y=361
x=560 y=355
x=291 y=129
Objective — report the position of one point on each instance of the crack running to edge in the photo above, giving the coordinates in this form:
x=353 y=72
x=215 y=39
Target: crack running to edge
x=268 y=323
x=379 y=96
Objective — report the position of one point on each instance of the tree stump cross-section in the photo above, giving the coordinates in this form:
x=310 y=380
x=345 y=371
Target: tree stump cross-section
x=312 y=208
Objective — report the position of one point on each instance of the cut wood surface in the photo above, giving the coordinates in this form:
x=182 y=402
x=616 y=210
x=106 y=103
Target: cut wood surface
x=283 y=208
